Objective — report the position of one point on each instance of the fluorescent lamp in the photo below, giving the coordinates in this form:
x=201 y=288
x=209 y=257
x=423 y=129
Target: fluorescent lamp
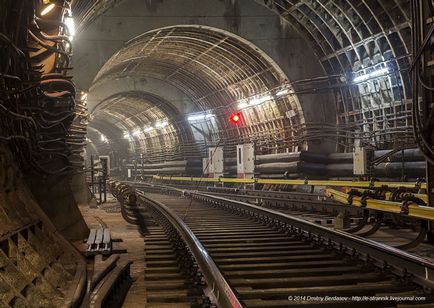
x=376 y=73
x=148 y=129
x=83 y=96
x=103 y=138
x=136 y=132
x=161 y=124
x=259 y=100
x=47 y=9
x=243 y=105
x=282 y=92
x=198 y=117
x=69 y=22
x=127 y=135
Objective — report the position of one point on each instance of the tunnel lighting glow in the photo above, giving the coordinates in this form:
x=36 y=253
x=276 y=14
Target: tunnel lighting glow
x=260 y=100
x=376 y=73
x=104 y=138
x=161 y=124
x=127 y=136
x=254 y=101
x=69 y=22
x=282 y=92
x=47 y=9
x=148 y=129
x=198 y=117
x=83 y=96
x=243 y=105
x=136 y=132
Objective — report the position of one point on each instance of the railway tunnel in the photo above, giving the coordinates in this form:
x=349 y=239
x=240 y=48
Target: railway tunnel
x=230 y=153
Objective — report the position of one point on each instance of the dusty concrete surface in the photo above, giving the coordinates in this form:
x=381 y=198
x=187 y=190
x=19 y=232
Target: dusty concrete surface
x=108 y=215
x=38 y=267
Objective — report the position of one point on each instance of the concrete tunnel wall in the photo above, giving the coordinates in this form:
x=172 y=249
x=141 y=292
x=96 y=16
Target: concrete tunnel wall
x=247 y=19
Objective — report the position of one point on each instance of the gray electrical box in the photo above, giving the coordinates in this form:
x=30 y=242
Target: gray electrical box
x=360 y=161
x=245 y=161
x=215 y=165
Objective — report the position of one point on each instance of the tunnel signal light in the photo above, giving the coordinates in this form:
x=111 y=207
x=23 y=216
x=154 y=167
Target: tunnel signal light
x=235 y=118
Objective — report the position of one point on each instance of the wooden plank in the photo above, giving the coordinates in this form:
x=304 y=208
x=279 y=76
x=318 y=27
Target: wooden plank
x=107 y=236
x=91 y=238
x=99 y=236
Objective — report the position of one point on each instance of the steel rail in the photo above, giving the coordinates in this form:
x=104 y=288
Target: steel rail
x=405 y=209
x=268 y=199
x=397 y=261
x=220 y=291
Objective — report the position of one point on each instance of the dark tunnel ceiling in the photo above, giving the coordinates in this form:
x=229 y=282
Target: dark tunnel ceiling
x=349 y=38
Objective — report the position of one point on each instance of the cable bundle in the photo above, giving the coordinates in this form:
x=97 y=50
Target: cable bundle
x=39 y=117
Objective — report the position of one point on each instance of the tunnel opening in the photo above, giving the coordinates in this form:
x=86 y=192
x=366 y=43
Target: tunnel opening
x=218 y=73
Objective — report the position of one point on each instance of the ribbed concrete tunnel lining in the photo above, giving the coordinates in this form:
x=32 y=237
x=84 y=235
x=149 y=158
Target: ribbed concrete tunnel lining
x=216 y=70
x=355 y=36
x=350 y=38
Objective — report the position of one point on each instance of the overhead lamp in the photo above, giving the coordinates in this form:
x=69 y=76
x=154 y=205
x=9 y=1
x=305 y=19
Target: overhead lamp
x=83 y=96
x=282 y=92
x=259 y=100
x=243 y=105
x=47 y=9
x=198 y=117
x=136 y=132
x=161 y=124
x=103 y=138
x=148 y=129
x=127 y=135
x=69 y=22
x=373 y=74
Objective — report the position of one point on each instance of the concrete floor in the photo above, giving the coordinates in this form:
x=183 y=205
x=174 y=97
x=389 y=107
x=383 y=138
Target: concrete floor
x=109 y=214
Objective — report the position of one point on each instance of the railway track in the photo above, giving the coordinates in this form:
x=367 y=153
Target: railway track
x=167 y=284
x=273 y=260
x=318 y=209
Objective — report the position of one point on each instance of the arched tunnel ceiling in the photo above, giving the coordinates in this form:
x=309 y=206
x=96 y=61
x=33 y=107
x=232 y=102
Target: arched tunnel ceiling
x=215 y=69
x=131 y=109
x=350 y=38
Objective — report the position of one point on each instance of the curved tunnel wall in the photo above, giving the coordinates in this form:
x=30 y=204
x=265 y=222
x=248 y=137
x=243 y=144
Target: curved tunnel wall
x=215 y=71
x=346 y=40
x=245 y=19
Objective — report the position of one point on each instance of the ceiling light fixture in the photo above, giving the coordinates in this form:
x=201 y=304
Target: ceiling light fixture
x=282 y=92
x=104 y=138
x=259 y=100
x=243 y=105
x=161 y=124
x=376 y=73
x=69 y=22
x=198 y=117
x=47 y=9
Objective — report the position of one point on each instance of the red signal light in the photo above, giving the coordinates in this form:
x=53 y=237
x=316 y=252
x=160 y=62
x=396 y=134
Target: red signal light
x=235 y=118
